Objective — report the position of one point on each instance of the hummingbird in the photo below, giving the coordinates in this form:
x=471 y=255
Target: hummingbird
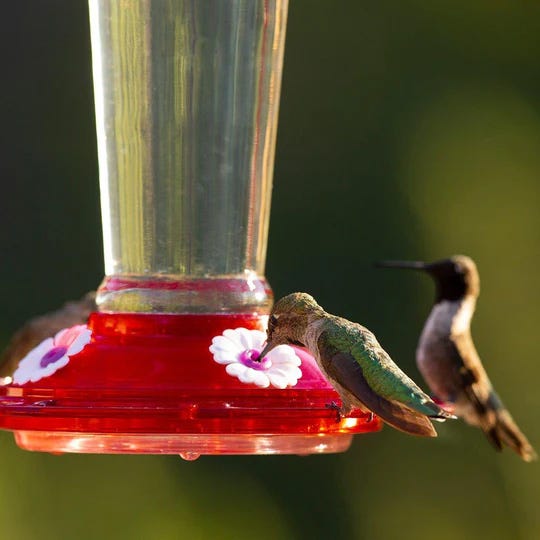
x=354 y=362
x=447 y=358
x=39 y=328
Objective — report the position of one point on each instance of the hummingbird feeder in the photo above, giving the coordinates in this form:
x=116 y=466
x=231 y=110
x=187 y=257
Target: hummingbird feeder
x=186 y=97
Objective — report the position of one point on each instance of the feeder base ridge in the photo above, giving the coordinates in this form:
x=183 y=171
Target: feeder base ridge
x=147 y=384
x=188 y=446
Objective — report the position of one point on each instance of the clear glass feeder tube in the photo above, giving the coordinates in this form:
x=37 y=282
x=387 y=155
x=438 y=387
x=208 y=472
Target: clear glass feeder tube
x=187 y=95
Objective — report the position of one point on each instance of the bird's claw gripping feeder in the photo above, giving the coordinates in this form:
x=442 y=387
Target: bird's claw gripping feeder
x=186 y=98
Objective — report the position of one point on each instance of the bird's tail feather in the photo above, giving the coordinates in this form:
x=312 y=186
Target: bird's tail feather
x=497 y=424
x=405 y=419
x=506 y=432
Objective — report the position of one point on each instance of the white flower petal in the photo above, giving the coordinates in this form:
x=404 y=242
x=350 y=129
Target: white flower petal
x=218 y=353
x=236 y=369
x=225 y=344
x=284 y=353
x=291 y=376
x=21 y=375
x=225 y=357
x=247 y=376
x=234 y=337
x=246 y=338
x=283 y=349
x=281 y=361
x=59 y=335
x=258 y=338
x=284 y=367
x=282 y=371
x=32 y=370
x=50 y=369
x=225 y=350
x=259 y=378
x=30 y=363
x=80 y=342
x=38 y=352
x=279 y=380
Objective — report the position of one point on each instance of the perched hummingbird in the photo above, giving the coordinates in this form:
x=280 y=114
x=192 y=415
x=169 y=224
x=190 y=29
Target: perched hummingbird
x=42 y=327
x=356 y=365
x=447 y=358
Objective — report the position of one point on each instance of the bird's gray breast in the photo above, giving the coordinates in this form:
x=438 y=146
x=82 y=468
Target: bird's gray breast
x=436 y=352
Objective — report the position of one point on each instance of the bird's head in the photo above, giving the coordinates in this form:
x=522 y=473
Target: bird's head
x=455 y=277
x=289 y=320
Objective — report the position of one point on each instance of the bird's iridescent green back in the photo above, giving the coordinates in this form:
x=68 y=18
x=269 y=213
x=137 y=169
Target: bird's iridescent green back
x=380 y=372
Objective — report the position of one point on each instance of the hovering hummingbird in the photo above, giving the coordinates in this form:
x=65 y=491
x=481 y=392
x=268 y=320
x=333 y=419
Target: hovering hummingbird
x=42 y=327
x=447 y=358
x=356 y=365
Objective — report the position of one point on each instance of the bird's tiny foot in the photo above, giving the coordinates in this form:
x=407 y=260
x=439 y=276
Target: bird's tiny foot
x=333 y=405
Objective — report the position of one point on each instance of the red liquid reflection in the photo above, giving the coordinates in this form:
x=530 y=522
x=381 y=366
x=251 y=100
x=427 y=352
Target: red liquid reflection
x=148 y=384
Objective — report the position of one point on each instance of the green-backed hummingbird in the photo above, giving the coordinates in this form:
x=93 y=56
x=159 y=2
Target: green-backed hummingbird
x=353 y=361
x=447 y=358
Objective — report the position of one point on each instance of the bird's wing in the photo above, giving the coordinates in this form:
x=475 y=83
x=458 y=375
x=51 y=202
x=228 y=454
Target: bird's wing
x=349 y=379
x=476 y=387
x=472 y=377
x=355 y=353
x=388 y=380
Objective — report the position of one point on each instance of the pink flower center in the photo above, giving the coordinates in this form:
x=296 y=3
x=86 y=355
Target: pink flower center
x=52 y=356
x=251 y=359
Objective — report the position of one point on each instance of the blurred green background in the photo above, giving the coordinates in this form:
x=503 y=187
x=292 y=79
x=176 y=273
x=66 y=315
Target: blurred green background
x=408 y=129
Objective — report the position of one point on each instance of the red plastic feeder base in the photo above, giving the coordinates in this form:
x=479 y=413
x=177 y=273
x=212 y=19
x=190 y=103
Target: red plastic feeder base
x=148 y=384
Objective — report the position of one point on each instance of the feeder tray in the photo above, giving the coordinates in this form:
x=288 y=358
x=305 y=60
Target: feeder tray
x=148 y=384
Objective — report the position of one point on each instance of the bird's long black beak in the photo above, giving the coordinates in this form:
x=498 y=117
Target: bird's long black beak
x=267 y=348
x=413 y=265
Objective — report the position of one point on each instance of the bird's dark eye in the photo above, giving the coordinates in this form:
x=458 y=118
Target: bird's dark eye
x=272 y=321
